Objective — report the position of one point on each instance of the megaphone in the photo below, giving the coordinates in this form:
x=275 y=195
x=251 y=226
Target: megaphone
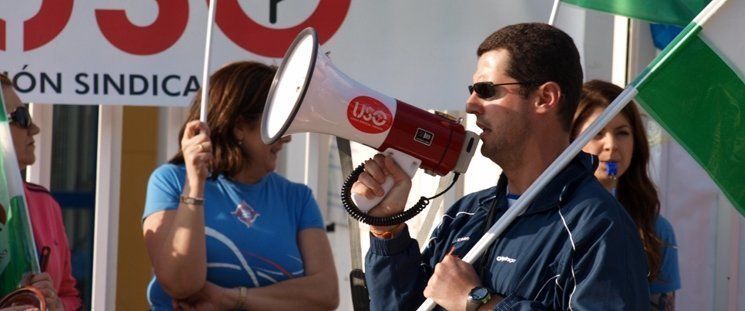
x=309 y=94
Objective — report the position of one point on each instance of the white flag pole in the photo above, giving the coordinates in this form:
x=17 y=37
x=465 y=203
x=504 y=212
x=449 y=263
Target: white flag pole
x=526 y=198
x=206 y=70
x=554 y=12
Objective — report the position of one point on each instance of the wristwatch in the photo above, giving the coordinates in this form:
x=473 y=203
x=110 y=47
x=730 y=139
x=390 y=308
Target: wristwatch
x=478 y=296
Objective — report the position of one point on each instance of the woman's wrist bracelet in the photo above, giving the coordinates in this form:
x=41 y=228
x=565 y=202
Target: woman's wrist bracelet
x=242 y=293
x=191 y=200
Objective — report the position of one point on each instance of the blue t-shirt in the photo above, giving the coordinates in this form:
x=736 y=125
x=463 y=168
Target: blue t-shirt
x=668 y=280
x=251 y=230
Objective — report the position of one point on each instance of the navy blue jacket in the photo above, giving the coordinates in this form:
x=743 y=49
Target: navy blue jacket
x=574 y=248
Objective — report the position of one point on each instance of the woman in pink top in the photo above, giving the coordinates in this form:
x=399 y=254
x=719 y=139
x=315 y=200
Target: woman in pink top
x=56 y=281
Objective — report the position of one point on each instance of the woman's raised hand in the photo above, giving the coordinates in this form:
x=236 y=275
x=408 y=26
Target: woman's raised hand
x=197 y=150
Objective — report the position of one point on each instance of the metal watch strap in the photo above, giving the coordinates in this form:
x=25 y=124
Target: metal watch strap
x=473 y=303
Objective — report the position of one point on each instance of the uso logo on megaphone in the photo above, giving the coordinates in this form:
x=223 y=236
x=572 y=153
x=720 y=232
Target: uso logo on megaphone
x=369 y=115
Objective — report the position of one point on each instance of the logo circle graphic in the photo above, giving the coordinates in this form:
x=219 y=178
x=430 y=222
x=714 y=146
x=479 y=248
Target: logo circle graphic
x=369 y=115
x=271 y=42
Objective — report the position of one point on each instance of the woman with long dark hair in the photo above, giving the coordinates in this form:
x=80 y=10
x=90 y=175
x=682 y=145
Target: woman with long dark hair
x=623 y=151
x=223 y=231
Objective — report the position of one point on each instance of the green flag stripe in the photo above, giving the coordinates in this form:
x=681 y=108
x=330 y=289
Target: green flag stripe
x=17 y=248
x=700 y=100
x=686 y=34
x=3 y=114
x=679 y=12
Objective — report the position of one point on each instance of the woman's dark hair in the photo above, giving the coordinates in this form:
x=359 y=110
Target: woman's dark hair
x=237 y=94
x=5 y=81
x=635 y=190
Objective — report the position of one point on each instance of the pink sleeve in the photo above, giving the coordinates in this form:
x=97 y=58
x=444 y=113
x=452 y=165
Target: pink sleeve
x=66 y=290
x=49 y=230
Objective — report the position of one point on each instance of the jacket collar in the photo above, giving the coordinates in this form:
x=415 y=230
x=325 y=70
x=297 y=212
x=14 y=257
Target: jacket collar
x=554 y=194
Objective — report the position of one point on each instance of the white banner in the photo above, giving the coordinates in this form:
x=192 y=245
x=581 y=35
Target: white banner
x=150 y=52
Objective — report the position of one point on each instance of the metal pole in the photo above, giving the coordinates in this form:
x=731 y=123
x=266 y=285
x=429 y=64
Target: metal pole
x=554 y=12
x=206 y=69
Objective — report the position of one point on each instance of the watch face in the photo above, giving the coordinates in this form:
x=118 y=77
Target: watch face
x=479 y=293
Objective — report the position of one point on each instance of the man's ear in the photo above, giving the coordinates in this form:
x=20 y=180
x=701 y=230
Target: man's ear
x=548 y=96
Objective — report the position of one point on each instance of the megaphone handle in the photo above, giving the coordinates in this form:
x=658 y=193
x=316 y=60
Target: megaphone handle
x=408 y=163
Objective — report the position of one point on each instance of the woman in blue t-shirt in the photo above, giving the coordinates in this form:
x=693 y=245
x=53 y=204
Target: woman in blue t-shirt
x=623 y=151
x=223 y=231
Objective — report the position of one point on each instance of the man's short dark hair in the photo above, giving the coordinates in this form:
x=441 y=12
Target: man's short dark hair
x=540 y=53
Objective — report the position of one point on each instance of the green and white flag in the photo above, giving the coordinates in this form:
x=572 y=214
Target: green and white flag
x=17 y=248
x=696 y=90
x=677 y=12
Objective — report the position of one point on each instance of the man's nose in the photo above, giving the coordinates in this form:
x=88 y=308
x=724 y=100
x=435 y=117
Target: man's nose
x=473 y=104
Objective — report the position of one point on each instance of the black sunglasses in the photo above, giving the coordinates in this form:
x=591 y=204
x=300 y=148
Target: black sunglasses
x=21 y=116
x=488 y=90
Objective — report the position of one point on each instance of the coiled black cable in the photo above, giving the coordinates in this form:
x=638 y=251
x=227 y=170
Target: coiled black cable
x=356 y=213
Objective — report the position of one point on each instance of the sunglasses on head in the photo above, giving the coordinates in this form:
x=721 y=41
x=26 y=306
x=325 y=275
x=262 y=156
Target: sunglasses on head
x=21 y=117
x=488 y=90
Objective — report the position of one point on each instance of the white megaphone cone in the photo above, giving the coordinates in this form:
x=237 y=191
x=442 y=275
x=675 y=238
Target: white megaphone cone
x=309 y=94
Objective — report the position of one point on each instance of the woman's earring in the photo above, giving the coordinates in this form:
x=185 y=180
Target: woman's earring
x=240 y=141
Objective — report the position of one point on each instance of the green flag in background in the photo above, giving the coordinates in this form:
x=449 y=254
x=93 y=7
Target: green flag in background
x=695 y=89
x=678 y=12
x=17 y=248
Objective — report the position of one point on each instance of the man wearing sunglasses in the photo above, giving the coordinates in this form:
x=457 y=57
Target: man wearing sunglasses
x=55 y=282
x=574 y=247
